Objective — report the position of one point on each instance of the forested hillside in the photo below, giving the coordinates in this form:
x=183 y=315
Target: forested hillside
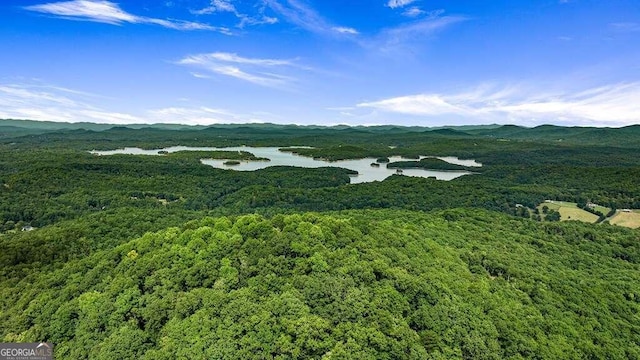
x=163 y=257
x=356 y=285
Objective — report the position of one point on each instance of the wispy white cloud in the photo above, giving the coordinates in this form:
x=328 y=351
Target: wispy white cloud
x=396 y=39
x=345 y=30
x=53 y=103
x=399 y=3
x=423 y=104
x=610 y=105
x=111 y=13
x=264 y=72
x=200 y=75
x=301 y=14
x=43 y=102
x=217 y=6
x=422 y=27
x=256 y=20
x=341 y=108
x=202 y=115
x=391 y=39
x=228 y=6
x=413 y=11
x=99 y=11
x=234 y=58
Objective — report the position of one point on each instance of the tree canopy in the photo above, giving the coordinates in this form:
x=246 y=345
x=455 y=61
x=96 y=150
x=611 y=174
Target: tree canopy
x=366 y=284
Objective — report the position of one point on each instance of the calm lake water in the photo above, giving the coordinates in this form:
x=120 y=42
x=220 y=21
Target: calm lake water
x=366 y=172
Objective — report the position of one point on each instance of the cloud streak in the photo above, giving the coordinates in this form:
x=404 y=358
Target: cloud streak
x=610 y=105
x=110 y=13
x=399 y=3
x=227 y=6
x=263 y=72
x=413 y=11
x=297 y=12
x=52 y=103
x=345 y=30
x=201 y=115
x=421 y=27
x=395 y=39
x=217 y=6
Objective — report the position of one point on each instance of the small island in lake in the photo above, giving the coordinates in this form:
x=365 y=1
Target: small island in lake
x=375 y=165
x=428 y=163
x=232 y=162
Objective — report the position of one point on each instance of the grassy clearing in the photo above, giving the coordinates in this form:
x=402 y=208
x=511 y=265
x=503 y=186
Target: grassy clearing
x=559 y=204
x=569 y=211
x=602 y=209
x=630 y=220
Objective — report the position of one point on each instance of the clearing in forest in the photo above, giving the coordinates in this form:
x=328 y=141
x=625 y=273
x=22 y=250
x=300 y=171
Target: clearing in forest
x=569 y=211
x=626 y=219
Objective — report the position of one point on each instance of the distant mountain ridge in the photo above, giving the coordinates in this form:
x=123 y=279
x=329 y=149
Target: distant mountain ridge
x=57 y=126
x=622 y=137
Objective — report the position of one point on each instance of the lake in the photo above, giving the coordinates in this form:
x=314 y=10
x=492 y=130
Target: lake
x=366 y=172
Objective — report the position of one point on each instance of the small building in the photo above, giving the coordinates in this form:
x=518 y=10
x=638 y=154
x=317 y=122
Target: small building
x=591 y=205
x=626 y=210
x=28 y=228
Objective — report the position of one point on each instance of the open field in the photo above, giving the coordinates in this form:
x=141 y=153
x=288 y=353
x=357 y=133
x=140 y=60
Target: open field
x=602 y=209
x=569 y=211
x=626 y=219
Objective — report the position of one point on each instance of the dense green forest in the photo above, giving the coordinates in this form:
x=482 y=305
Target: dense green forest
x=429 y=163
x=131 y=256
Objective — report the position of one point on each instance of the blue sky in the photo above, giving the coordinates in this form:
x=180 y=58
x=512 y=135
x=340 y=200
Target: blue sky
x=405 y=62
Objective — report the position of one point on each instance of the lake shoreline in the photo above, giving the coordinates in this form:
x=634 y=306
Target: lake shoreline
x=279 y=156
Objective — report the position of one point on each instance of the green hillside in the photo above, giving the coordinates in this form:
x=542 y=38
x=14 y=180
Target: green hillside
x=357 y=285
